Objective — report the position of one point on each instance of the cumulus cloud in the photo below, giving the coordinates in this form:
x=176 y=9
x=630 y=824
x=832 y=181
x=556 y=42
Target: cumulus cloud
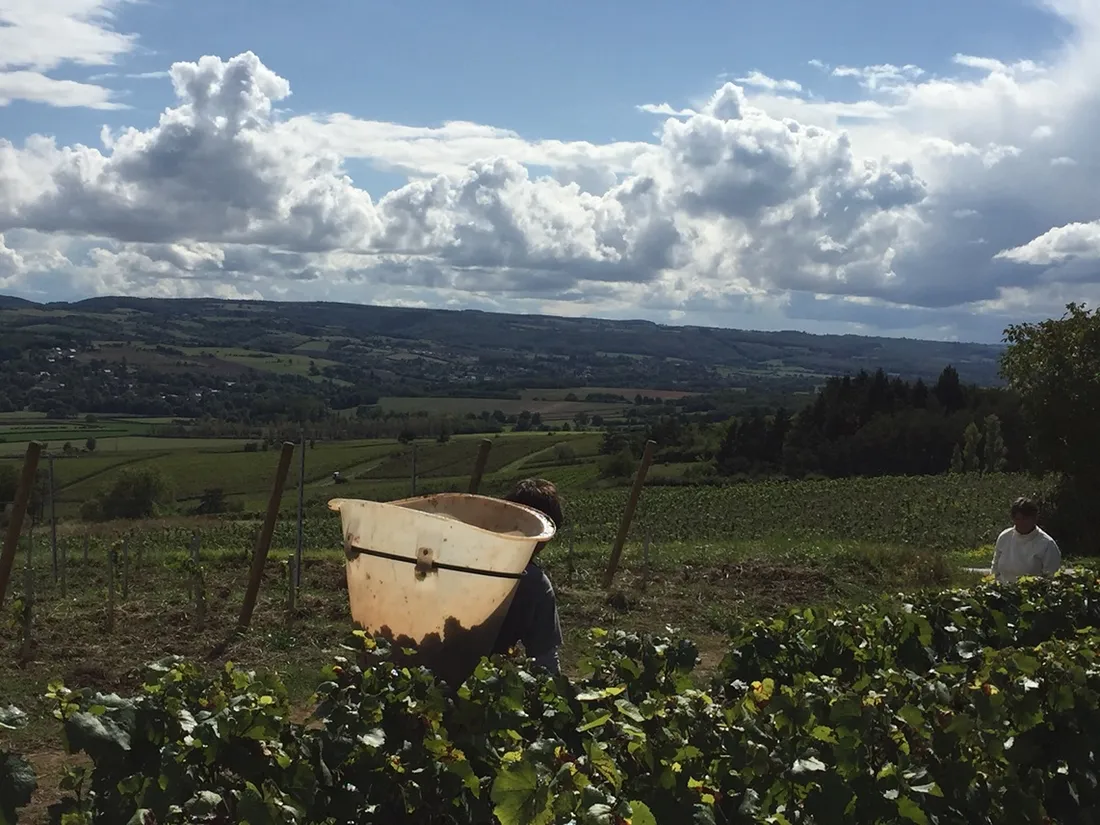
x=1076 y=240
x=38 y=36
x=721 y=195
x=214 y=168
x=921 y=199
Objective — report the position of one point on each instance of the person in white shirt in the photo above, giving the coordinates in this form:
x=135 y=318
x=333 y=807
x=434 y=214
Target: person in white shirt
x=1025 y=549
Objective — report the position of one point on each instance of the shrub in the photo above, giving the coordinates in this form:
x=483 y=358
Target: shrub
x=617 y=465
x=565 y=454
x=137 y=492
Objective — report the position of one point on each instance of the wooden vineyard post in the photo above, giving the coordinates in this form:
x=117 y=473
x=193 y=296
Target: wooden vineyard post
x=199 y=587
x=64 y=571
x=28 y=598
x=263 y=541
x=196 y=540
x=53 y=523
x=479 y=464
x=628 y=515
x=569 y=560
x=87 y=538
x=301 y=514
x=18 y=511
x=112 y=561
x=291 y=594
x=126 y=568
x=28 y=610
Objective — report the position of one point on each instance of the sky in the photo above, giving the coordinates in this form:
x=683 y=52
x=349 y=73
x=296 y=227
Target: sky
x=925 y=170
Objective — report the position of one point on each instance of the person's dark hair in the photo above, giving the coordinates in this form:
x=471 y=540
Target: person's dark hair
x=539 y=494
x=1024 y=506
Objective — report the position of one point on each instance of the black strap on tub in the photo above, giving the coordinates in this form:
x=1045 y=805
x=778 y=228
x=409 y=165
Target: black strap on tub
x=457 y=568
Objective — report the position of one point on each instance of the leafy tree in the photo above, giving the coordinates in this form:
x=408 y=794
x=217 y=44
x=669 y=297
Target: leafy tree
x=949 y=391
x=957 y=460
x=617 y=465
x=565 y=454
x=211 y=502
x=972 y=440
x=1054 y=365
x=90 y=445
x=137 y=492
x=994 y=452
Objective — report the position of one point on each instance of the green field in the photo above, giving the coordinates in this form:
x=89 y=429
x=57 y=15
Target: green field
x=550 y=410
x=283 y=363
x=629 y=393
x=371 y=469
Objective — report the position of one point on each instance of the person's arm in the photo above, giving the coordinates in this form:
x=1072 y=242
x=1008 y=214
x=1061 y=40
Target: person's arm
x=995 y=568
x=1052 y=558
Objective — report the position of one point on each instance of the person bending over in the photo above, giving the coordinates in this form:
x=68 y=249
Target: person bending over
x=1025 y=549
x=532 y=618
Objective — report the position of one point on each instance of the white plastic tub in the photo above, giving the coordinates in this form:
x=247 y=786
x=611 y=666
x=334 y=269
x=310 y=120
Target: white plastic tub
x=438 y=572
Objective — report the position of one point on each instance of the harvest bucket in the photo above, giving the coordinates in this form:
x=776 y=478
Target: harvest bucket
x=438 y=572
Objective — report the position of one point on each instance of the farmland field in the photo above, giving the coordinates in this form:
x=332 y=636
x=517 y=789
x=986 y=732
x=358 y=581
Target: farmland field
x=550 y=410
x=285 y=363
x=374 y=469
x=628 y=393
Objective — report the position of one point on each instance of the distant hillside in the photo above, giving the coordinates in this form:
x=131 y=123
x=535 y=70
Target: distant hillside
x=11 y=302
x=424 y=349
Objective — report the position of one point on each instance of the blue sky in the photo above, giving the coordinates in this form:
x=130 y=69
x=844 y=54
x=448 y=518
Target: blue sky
x=561 y=194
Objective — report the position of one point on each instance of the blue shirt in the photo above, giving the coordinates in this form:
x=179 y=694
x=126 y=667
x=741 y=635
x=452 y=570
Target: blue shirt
x=532 y=620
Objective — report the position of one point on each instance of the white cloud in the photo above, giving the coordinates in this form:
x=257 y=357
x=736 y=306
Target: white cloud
x=1079 y=241
x=131 y=75
x=38 y=36
x=762 y=81
x=884 y=77
x=665 y=109
x=891 y=206
x=37 y=87
x=991 y=65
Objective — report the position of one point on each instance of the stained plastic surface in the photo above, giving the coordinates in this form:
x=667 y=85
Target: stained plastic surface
x=438 y=571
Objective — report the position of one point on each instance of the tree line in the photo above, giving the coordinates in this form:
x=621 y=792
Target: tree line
x=863 y=425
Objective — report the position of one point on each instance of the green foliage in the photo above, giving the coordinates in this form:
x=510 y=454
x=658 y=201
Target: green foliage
x=617 y=465
x=993 y=454
x=962 y=707
x=9 y=483
x=212 y=502
x=972 y=441
x=17 y=777
x=1055 y=367
x=136 y=492
x=946 y=512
